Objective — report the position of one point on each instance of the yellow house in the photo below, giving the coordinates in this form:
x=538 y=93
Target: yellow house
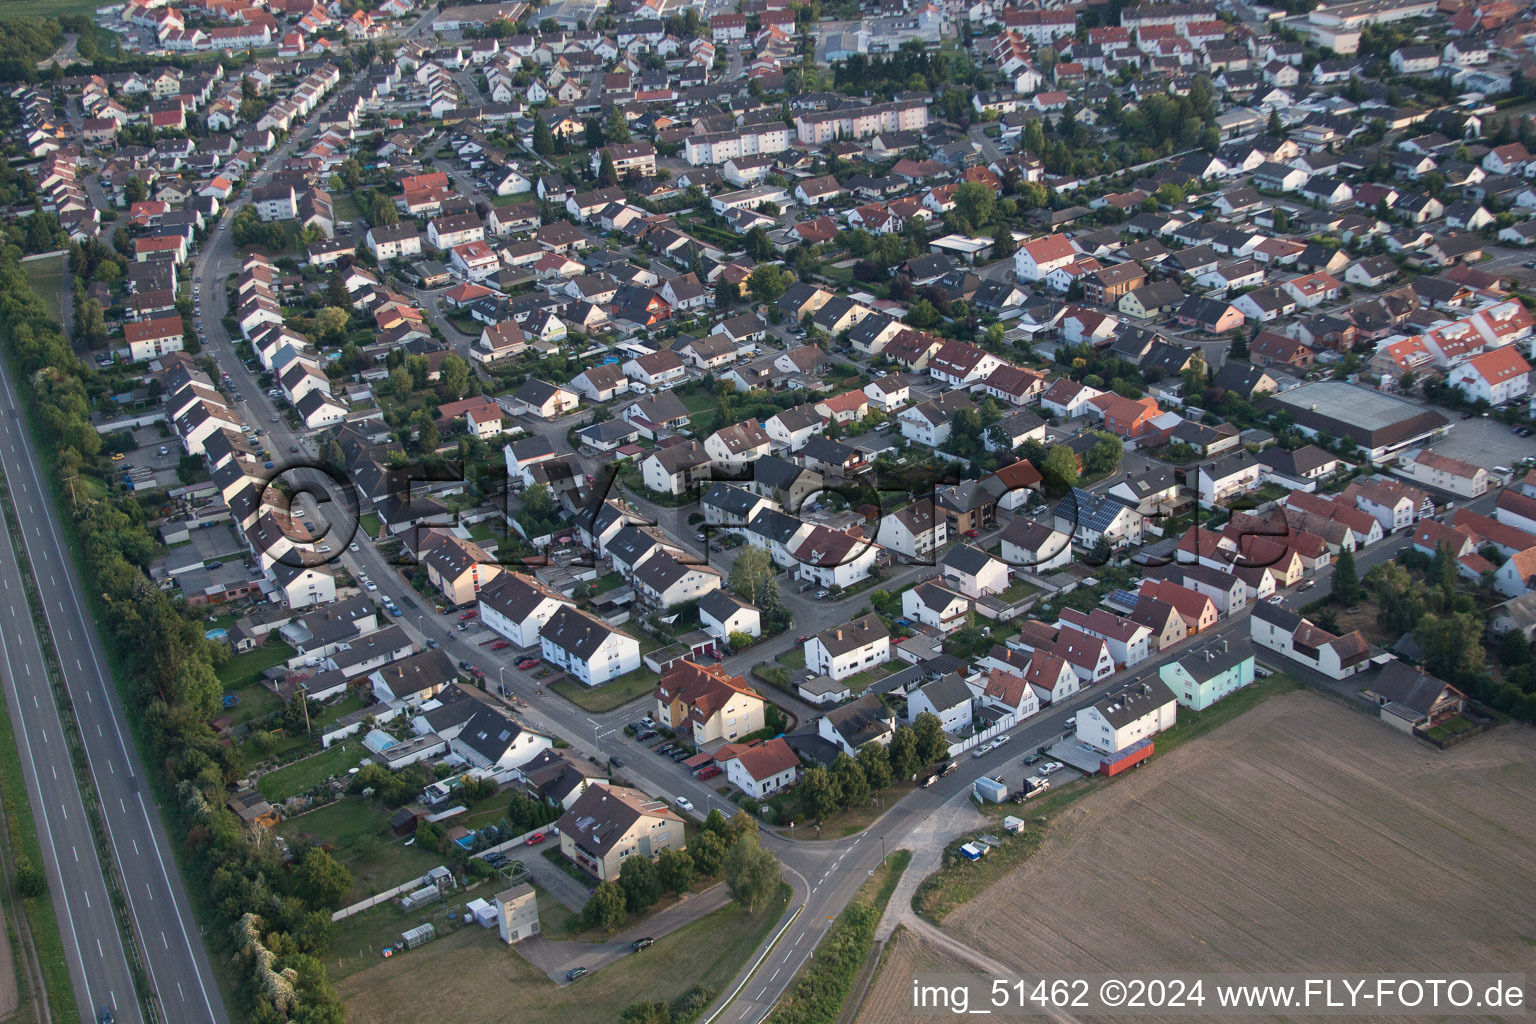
x=709 y=702
x=609 y=824
x=457 y=567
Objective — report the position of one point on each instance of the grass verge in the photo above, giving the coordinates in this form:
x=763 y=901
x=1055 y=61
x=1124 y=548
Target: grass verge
x=818 y=994
x=46 y=276
x=612 y=695
x=41 y=922
x=961 y=880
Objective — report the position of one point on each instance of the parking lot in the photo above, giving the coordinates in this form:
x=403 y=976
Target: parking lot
x=1483 y=442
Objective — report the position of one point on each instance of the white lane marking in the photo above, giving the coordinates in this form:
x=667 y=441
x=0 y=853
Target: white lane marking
x=99 y=951
x=76 y=852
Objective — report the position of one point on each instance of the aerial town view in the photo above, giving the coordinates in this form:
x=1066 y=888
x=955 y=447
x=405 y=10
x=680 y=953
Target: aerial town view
x=767 y=511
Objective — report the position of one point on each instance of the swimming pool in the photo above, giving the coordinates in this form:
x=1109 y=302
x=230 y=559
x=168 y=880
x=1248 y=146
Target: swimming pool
x=216 y=634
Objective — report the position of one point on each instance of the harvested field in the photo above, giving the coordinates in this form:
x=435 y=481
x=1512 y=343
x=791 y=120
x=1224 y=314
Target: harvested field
x=890 y=997
x=1300 y=836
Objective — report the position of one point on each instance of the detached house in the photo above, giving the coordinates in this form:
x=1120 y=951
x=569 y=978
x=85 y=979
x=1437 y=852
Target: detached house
x=708 y=703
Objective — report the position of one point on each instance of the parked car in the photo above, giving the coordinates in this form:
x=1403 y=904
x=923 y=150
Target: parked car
x=574 y=973
x=1072 y=722
x=1004 y=738
x=640 y=944
x=710 y=772
x=645 y=734
x=527 y=663
x=1050 y=768
x=501 y=645
x=685 y=803
x=465 y=666
x=648 y=722
x=615 y=762
x=973 y=533
x=1034 y=759
x=536 y=838
x=432 y=645
x=803 y=638
x=466 y=616
x=822 y=595
x=982 y=750
x=951 y=768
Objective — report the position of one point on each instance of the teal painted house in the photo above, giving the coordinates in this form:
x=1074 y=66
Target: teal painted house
x=1204 y=676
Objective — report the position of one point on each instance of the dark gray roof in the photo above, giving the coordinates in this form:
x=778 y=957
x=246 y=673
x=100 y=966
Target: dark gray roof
x=576 y=632
x=861 y=720
x=968 y=558
x=1132 y=704
x=947 y=692
x=852 y=635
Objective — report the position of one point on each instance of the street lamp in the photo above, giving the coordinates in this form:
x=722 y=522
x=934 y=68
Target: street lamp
x=501 y=677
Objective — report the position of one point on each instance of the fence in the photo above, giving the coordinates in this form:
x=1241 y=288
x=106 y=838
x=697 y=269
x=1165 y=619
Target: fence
x=389 y=894
x=1002 y=725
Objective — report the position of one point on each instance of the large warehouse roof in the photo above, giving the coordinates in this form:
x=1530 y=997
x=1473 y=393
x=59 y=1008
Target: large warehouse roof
x=1371 y=418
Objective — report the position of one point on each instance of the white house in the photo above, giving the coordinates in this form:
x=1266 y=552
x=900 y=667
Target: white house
x=854 y=646
x=1117 y=722
x=587 y=648
x=516 y=606
x=935 y=606
x=761 y=769
x=948 y=698
x=1497 y=376
x=972 y=572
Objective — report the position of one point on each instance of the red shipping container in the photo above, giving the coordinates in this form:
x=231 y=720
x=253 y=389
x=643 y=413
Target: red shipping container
x=1130 y=757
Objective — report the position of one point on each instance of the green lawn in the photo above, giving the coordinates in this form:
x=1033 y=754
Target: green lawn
x=256 y=701
x=244 y=669
x=1018 y=592
x=612 y=695
x=794 y=658
x=369 y=523
x=45 y=276
x=359 y=832
x=345 y=207
x=300 y=776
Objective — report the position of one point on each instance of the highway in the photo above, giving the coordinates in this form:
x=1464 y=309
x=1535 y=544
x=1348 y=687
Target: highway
x=176 y=963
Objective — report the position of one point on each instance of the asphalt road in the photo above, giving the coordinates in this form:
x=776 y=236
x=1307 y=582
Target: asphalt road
x=176 y=963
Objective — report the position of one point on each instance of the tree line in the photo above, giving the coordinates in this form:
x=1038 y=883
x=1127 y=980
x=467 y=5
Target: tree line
x=269 y=915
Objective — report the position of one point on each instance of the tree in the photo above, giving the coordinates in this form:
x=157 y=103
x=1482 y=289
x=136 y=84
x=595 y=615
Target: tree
x=543 y=138
x=876 y=762
x=607 y=174
x=922 y=314
x=331 y=323
x=932 y=744
x=974 y=205
x=674 y=869
x=336 y=291
x=454 y=377
x=1346 y=580
x=1059 y=468
x=616 y=128
x=320 y=881
x=1452 y=645
x=768 y=282
x=758 y=245
x=134 y=189
x=30 y=882
x=753 y=566
x=818 y=793
x=751 y=873
x=708 y=851
x=605 y=908
x=641 y=884
x=902 y=753
x=1105 y=455
x=727 y=294
x=852 y=784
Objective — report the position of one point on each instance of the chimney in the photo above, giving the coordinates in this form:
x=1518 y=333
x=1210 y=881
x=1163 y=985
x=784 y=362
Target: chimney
x=839 y=634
